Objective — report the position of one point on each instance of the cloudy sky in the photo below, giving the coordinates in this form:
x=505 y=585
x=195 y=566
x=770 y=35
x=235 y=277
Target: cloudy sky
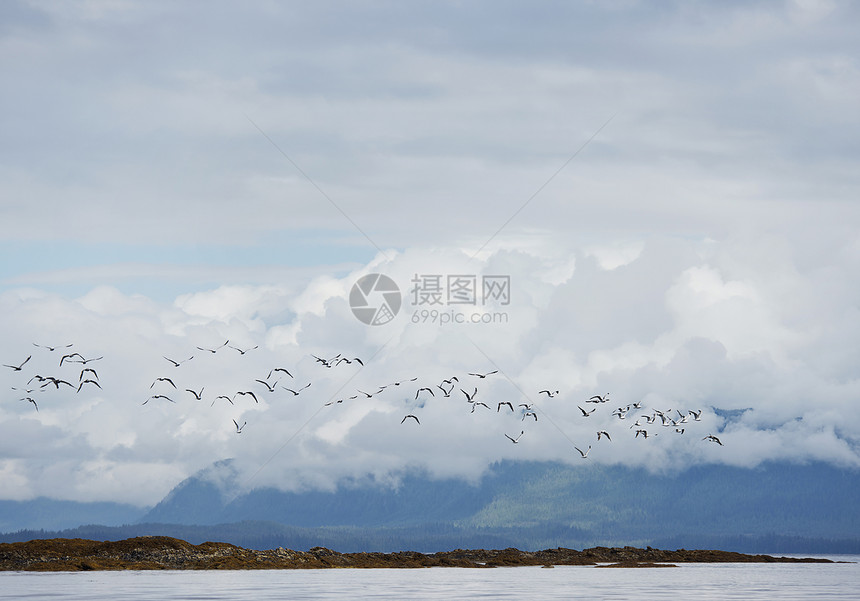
x=668 y=191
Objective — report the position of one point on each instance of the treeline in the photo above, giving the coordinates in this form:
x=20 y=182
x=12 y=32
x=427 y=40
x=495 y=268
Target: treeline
x=430 y=538
x=427 y=538
x=766 y=544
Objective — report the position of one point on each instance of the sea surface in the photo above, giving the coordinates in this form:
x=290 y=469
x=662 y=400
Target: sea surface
x=688 y=581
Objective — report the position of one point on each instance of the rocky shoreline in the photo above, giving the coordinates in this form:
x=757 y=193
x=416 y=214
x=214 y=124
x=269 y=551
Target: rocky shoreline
x=165 y=553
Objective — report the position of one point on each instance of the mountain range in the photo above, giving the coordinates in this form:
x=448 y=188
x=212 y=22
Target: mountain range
x=523 y=504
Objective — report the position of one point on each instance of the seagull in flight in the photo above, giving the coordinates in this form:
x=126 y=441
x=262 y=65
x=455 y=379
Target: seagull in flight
x=517 y=439
x=238 y=427
x=586 y=413
x=158 y=396
x=697 y=415
x=417 y=392
x=712 y=438
x=222 y=396
x=52 y=348
x=469 y=397
x=271 y=387
x=508 y=403
x=445 y=393
x=412 y=416
x=213 y=351
x=548 y=393
x=246 y=393
x=168 y=380
x=296 y=392
x=197 y=395
x=529 y=413
x=279 y=369
x=242 y=352
x=56 y=382
x=89 y=370
x=482 y=376
x=475 y=404
x=18 y=367
x=603 y=433
x=88 y=381
x=70 y=356
x=599 y=399
x=31 y=400
x=644 y=434
x=583 y=453
x=85 y=361
x=178 y=363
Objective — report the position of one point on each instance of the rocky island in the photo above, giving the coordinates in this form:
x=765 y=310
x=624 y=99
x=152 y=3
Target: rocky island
x=165 y=553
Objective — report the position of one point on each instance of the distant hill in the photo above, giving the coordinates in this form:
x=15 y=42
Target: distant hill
x=775 y=507
x=52 y=514
x=609 y=504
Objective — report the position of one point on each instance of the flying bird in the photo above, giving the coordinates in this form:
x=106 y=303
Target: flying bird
x=222 y=396
x=517 y=439
x=475 y=404
x=197 y=395
x=238 y=427
x=603 y=433
x=52 y=348
x=242 y=352
x=70 y=357
x=210 y=350
x=417 y=392
x=168 y=380
x=712 y=438
x=412 y=416
x=585 y=453
x=246 y=393
x=586 y=413
x=89 y=370
x=482 y=376
x=508 y=403
x=296 y=392
x=178 y=363
x=88 y=381
x=599 y=399
x=548 y=393
x=270 y=387
x=18 y=367
x=469 y=397
x=279 y=369
x=158 y=396
x=56 y=382
x=644 y=434
x=85 y=361
x=529 y=413
x=31 y=400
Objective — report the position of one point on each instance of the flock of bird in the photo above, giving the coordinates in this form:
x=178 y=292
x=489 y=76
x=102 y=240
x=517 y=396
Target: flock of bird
x=87 y=376
x=646 y=422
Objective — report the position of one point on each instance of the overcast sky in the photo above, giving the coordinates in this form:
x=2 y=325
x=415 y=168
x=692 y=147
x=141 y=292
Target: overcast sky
x=671 y=189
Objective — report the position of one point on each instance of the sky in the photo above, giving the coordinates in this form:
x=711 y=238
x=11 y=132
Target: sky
x=653 y=200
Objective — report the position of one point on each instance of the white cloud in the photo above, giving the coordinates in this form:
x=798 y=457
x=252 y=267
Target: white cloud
x=699 y=252
x=718 y=342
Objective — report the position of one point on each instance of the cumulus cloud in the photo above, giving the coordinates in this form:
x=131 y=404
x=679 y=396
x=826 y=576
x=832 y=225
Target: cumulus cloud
x=676 y=328
x=699 y=252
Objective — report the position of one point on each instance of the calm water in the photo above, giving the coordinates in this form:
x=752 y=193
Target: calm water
x=691 y=581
